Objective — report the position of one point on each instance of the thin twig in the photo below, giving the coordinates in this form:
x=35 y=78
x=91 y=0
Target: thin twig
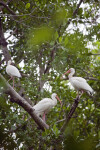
x=76 y=10
x=5 y=5
x=91 y=78
x=95 y=54
x=60 y=120
x=9 y=15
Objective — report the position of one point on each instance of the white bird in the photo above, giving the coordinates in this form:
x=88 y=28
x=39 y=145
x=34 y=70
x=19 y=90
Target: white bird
x=44 y=106
x=79 y=83
x=12 y=71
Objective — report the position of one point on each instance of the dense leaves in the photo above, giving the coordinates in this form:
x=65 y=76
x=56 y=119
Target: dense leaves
x=44 y=39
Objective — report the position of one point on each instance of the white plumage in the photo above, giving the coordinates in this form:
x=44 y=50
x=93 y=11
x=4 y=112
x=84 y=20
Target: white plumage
x=79 y=83
x=45 y=105
x=12 y=71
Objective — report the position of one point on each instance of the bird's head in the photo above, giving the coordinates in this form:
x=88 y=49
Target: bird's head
x=70 y=71
x=54 y=95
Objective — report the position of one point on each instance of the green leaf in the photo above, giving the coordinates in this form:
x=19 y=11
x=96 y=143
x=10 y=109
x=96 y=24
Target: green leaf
x=55 y=130
x=60 y=39
x=66 y=41
x=40 y=36
x=56 y=35
x=27 y=5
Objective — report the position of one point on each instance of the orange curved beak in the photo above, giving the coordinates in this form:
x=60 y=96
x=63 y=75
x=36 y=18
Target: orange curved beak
x=59 y=100
x=67 y=72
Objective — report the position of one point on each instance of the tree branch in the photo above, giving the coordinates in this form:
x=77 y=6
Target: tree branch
x=70 y=114
x=5 y=5
x=23 y=103
x=51 y=58
x=92 y=78
x=76 y=10
x=1 y=7
x=95 y=54
x=41 y=69
x=3 y=43
x=60 y=120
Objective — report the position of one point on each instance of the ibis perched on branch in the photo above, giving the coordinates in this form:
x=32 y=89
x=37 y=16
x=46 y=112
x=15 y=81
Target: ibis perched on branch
x=79 y=83
x=44 y=106
x=12 y=71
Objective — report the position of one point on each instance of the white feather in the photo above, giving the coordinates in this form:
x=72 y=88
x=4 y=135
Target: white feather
x=45 y=105
x=79 y=83
x=12 y=70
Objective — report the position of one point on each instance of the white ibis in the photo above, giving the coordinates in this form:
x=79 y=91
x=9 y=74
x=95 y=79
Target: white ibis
x=79 y=83
x=44 y=106
x=12 y=71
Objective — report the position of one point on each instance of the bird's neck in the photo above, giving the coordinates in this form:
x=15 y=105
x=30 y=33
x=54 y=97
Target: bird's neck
x=8 y=64
x=54 y=101
x=71 y=75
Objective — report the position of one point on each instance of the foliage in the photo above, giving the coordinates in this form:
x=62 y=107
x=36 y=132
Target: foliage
x=50 y=38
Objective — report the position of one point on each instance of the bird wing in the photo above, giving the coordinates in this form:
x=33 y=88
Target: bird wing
x=13 y=71
x=43 y=106
x=81 y=84
x=79 y=79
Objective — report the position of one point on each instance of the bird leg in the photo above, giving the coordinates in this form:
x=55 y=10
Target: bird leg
x=77 y=95
x=81 y=93
x=10 y=78
x=43 y=117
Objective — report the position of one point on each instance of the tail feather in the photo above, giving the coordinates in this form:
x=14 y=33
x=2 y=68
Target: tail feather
x=91 y=93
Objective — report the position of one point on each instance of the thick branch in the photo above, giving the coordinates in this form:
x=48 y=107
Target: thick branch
x=3 y=43
x=21 y=93
x=23 y=103
x=70 y=114
x=51 y=58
